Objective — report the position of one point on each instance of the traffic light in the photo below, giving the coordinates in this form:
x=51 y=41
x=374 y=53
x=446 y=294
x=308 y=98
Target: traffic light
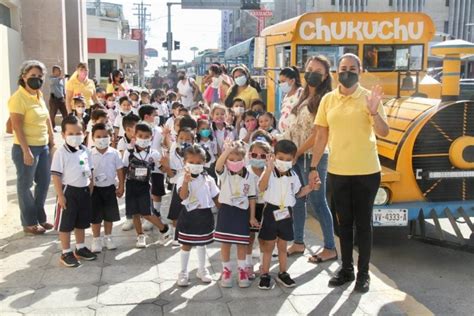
x=164 y=45
x=177 y=45
x=250 y=5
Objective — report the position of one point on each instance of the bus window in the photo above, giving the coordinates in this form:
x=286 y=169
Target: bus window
x=283 y=56
x=332 y=52
x=393 y=57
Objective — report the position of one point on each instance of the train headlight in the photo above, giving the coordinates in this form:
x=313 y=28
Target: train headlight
x=382 y=197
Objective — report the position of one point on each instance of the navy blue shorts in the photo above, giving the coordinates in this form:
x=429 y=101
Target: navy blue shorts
x=78 y=210
x=104 y=205
x=196 y=228
x=232 y=225
x=270 y=229
x=258 y=216
x=158 y=184
x=137 y=198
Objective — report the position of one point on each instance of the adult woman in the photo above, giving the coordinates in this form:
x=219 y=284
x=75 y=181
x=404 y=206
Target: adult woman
x=32 y=132
x=80 y=84
x=214 y=92
x=187 y=90
x=290 y=86
x=241 y=88
x=117 y=83
x=301 y=131
x=348 y=120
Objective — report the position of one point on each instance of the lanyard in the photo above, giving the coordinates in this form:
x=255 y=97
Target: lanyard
x=237 y=184
x=283 y=195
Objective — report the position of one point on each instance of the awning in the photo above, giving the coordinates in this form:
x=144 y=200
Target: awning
x=239 y=50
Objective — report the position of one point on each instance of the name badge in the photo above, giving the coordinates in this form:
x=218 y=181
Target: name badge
x=100 y=177
x=141 y=172
x=239 y=201
x=86 y=173
x=281 y=214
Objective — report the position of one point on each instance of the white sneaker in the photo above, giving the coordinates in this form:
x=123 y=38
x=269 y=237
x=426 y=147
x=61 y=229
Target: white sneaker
x=183 y=279
x=127 y=225
x=96 y=245
x=175 y=243
x=256 y=253
x=165 y=237
x=204 y=276
x=147 y=226
x=141 y=241
x=109 y=243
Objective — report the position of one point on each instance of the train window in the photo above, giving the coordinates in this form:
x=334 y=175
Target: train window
x=393 y=57
x=332 y=52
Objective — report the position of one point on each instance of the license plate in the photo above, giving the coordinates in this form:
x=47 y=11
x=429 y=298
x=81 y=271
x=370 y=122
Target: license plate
x=390 y=217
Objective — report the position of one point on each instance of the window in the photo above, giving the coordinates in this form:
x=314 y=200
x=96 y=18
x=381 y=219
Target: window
x=446 y=27
x=333 y=2
x=107 y=66
x=447 y=3
x=92 y=71
x=390 y=3
x=393 y=57
x=332 y=52
x=5 y=18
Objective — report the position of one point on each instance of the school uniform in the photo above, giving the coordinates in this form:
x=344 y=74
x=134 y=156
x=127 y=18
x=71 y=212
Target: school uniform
x=74 y=166
x=139 y=167
x=157 y=176
x=280 y=197
x=211 y=147
x=196 y=221
x=177 y=165
x=233 y=216
x=104 y=198
x=220 y=135
x=124 y=144
x=118 y=124
x=260 y=201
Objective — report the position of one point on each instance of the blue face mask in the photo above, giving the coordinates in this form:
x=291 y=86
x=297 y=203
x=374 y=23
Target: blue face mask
x=257 y=163
x=205 y=133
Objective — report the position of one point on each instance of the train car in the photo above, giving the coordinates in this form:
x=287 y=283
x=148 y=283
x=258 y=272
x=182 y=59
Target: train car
x=241 y=53
x=428 y=156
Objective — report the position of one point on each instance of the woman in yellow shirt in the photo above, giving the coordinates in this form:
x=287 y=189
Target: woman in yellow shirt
x=241 y=88
x=80 y=85
x=33 y=138
x=348 y=119
x=117 y=84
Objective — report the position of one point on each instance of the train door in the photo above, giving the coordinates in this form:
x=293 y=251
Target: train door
x=283 y=59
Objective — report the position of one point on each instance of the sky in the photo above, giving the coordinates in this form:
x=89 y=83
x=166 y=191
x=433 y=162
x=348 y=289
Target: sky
x=199 y=28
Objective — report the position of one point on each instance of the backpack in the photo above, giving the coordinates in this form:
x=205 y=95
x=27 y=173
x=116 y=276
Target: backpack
x=138 y=169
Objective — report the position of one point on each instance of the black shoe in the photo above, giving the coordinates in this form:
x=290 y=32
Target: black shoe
x=285 y=280
x=69 y=260
x=165 y=229
x=362 y=283
x=265 y=282
x=85 y=254
x=342 y=277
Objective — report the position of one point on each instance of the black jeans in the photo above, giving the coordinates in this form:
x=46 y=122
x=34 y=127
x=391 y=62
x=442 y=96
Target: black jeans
x=354 y=199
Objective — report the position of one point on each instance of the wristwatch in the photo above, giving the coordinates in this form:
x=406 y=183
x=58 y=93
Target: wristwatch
x=312 y=168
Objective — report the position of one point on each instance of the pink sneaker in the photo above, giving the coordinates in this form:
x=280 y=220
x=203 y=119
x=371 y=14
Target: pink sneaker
x=250 y=273
x=226 y=278
x=244 y=278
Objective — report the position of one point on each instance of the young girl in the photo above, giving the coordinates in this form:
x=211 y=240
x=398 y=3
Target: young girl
x=196 y=223
x=207 y=142
x=250 y=125
x=111 y=106
x=220 y=130
x=267 y=122
x=125 y=109
x=258 y=153
x=238 y=194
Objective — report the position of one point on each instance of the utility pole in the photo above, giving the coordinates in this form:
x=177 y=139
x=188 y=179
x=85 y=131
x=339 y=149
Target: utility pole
x=169 y=34
x=142 y=19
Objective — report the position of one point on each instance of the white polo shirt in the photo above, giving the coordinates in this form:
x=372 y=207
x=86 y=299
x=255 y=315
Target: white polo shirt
x=152 y=156
x=73 y=166
x=202 y=190
x=176 y=163
x=260 y=199
x=157 y=139
x=236 y=190
x=118 y=124
x=106 y=166
x=282 y=190
x=123 y=145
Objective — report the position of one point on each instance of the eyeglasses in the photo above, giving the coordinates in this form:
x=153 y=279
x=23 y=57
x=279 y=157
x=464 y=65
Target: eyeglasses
x=256 y=156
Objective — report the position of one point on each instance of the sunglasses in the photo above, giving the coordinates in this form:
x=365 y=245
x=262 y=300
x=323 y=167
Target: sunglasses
x=256 y=156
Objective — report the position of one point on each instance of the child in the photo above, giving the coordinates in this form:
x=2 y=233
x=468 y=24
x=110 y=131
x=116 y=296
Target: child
x=125 y=109
x=205 y=139
x=144 y=98
x=281 y=186
x=220 y=130
x=139 y=162
x=111 y=106
x=238 y=194
x=97 y=116
x=258 y=153
x=107 y=167
x=238 y=106
x=80 y=111
x=258 y=107
x=175 y=111
x=267 y=122
x=250 y=125
x=196 y=112
x=198 y=191
x=160 y=105
x=71 y=171
x=134 y=101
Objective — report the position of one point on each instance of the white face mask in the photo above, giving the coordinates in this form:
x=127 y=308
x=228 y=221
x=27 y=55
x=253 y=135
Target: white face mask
x=241 y=80
x=239 y=110
x=102 y=143
x=283 y=166
x=74 y=140
x=79 y=110
x=127 y=112
x=285 y=87
x=143 y=143
x=194 y=168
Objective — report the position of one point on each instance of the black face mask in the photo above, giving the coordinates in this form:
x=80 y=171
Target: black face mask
x=348 y=78
x=121 y=80
x=181 y=77
x=313 y=79
x=34 y=83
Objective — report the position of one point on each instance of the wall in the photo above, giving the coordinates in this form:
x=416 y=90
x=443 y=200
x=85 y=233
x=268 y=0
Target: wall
x=100 y=27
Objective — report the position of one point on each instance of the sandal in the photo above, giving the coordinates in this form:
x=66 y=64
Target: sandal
x=47 y=226
x=317 y=259
x=293 y=253
x=34 y=230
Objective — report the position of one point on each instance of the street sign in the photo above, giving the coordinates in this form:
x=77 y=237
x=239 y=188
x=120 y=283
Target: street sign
x=263 y=13
x=151 y=52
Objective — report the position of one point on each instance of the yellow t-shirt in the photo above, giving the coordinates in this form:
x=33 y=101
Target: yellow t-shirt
x=86 y=89
x=249 y=95
x=35 y=114
x=352 y=142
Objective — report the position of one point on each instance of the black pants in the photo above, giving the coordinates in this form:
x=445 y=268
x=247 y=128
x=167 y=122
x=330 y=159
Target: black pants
x=354 y=199
x=55 y=105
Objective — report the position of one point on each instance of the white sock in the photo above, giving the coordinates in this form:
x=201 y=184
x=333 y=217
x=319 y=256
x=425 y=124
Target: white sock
x=79 y=246
x=66 y=251
x=241 y=264
x=201 y=252
x=184 y=260
x=248 y=260
x=107 y=236
x=157 y=206
x=227 y=265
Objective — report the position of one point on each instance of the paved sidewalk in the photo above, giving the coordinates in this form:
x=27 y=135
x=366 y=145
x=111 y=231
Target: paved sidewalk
x=142 y=282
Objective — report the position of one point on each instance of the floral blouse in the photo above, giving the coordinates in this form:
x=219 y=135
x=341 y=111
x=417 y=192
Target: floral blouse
x=300 y=126
x=287 y=105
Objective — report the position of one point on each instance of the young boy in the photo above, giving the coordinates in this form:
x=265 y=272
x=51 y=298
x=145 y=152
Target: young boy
x=125 y=109
x=108 y=167
x=97 y=116
x=281 y=186
x=139 y=163
x=80 y=111
x=145 y=98
x=175 y=107
x=71 y=171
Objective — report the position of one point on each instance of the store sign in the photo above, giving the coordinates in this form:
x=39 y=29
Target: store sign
x=361 y=30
